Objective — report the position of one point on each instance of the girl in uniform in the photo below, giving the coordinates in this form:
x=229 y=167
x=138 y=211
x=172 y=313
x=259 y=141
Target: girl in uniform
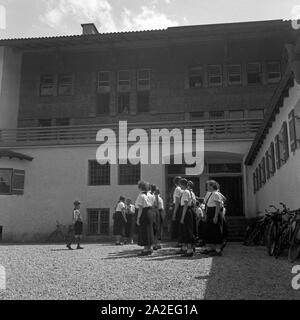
x=120 y=221
x=213 y=235
x=175 y=217
x=159 y=219
x=130 y=217
x=77 y=226
x=145 y=219
x=193 y=207
x=186 y=219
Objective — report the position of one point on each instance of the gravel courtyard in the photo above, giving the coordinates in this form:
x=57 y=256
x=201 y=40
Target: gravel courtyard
x=103 y=271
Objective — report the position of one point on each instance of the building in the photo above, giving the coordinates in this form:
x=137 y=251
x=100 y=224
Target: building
x=56 y=93
x=273 y=162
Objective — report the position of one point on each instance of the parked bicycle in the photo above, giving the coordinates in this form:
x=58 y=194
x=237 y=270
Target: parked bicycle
x=60 y=234
x=279 y=230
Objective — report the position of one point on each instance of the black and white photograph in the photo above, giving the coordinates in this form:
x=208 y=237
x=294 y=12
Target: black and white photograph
x=149 y=151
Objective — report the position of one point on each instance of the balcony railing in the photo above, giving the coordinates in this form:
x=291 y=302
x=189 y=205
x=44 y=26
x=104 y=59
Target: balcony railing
x=86 y=134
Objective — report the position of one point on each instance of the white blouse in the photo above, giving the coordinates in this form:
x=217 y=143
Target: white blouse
x=120 y=207
x=143 y=201
x=212 y=198
x=151 y=198
x=186 y=196
x=177 y=194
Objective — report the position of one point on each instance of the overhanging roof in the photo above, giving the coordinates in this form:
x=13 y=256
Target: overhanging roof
x=276 y=103
x=4 y=153
x=240 y=29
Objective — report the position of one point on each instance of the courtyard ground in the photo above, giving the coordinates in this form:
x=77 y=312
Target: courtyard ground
x=103 y=271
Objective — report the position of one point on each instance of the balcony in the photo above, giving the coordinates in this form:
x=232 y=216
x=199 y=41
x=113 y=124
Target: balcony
x=225 y=129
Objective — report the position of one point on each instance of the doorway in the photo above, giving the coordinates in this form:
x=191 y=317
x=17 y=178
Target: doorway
x=232 y=189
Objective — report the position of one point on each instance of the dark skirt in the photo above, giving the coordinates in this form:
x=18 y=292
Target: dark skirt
x=175 y=231
x=186 y=230
x=119 y=224
x=146 y=235
x=158 y=223
x=78 y=226
x=130 y=225
x=213 y=232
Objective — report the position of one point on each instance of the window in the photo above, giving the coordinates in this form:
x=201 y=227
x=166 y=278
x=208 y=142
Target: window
x=256 y=113
x=124 y=102
x=65 y=84
x=104 y=81
x=45 y=123
x=143 y=101
x=254 y=182
x=281 y=146
x=254 y=73
x=124 y=80
x=267 y=165
x=129 y=174
x=215 y=75
x=47 y=85
x=143 y=79
x=18 y=182
x=263 y=169
x=216 y=114
x=236 y=114
x=234 y=74
x=196 y=77
x=257 y=179
x=271 y=159
x=284 y=146
x=61 y=122
x=294 y=130
x=12 y=181
x=197 y=115
x=98 y=222
x=99 y=175
x=273 y=72
x=103 y=103
x=260 y=181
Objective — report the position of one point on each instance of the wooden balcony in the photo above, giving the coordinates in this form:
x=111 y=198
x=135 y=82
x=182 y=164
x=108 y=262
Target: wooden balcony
x=227 y=129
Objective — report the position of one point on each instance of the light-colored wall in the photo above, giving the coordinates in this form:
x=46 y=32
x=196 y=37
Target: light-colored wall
x=59 y=175
x=54 y=179
x=10 y=75
x=285 y=184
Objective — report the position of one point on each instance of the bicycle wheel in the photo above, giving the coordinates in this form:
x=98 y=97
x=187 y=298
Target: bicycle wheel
x=271 y=240
x=294 y=252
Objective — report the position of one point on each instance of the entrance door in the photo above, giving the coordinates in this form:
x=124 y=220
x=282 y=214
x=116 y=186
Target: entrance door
x=232 y=189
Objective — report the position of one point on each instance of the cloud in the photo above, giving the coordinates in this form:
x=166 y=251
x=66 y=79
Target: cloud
x=148 y=18
x=61 y=13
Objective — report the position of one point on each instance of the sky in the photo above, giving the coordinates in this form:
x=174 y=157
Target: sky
x=34 y=18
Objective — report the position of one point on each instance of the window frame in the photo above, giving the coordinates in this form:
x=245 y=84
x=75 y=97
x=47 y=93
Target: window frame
x=98 y=211
x=259 y=73
x=210 y=76
x=43 y=86
x=69 y=85
x=13 y=189
x=134 y=181
x=101 y=88
x=233 y=74
x=274 y=80
x=201 y=74
x=143 y=87
x=106 y=109
x=124 y=85
x=139 y=95
x=107 y=181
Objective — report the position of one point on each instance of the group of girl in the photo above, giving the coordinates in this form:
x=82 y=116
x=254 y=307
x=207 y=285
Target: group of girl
x=145 y=218
x=198 y=219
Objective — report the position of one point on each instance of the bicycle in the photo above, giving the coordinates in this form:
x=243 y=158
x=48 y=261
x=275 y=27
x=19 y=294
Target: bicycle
x=60 y=234
x=294 y=249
